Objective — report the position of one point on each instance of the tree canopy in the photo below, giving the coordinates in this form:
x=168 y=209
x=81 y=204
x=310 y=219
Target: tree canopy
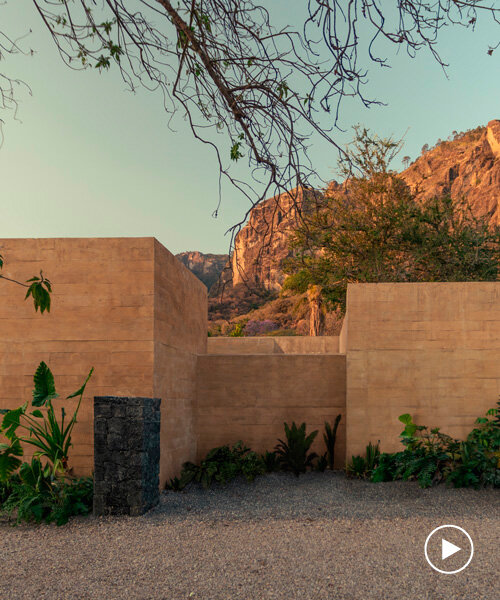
x=372 y=229
x=231 y=68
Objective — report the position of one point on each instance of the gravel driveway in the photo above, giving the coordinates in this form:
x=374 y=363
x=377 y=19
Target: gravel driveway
x=317 y=537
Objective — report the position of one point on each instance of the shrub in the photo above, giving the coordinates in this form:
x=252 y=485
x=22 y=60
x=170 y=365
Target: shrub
x=363 y=466
x=237 y=330
x=294 y=454
x=260 y=327
x=41 y=491
x=271 y=461
x=221 y=465
x=37 y=495
x=51 y=439
x=431 y=456
x=330 y=437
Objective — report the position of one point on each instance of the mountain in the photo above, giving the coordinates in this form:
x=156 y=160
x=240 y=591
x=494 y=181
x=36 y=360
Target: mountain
x=465 y=165
x=207 y=267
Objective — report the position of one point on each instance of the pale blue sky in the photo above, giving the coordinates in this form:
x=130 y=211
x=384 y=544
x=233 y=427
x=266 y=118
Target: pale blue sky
x=90 y=159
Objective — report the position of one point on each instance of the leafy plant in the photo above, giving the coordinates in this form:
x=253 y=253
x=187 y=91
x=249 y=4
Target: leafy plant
x=51 y=439
x=321 y=464
x=271 y=461
x=363 y=466
x=357 y=467
x=221 y=465
x=37 y=495
x=431 y=456
x=330 y=437
x=294 y=453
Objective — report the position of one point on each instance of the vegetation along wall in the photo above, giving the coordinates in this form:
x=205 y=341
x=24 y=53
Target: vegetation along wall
x=129 y=308
x=428 y=349
x=248 y=397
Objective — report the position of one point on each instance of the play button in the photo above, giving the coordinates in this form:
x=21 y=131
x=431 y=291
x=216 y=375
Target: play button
x=448 y=549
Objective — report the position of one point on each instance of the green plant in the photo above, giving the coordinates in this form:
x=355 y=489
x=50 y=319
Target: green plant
x=371 y=229
x=431 y=456
x=37 y=495
x=330 y=437
x=51 y=439
x=294 y=453
x=271 y=461
x=321 y=464
x=237 y=330
x=363 y=466
x=357 y=467
x=221 y=465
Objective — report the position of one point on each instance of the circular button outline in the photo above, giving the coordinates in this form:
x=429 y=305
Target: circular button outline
x=429 y=560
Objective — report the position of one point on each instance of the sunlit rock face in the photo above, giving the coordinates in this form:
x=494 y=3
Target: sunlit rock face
x=207 y=267
x=468 y=166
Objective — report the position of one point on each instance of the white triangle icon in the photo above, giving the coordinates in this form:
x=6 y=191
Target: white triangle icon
x=447 y=549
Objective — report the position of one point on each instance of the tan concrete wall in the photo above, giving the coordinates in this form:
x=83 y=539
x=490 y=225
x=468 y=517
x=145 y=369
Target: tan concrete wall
x=249 y=398
x=428 y=349
x=180 y=334
x=101 y=316
x=274 y=345
x=125 y=306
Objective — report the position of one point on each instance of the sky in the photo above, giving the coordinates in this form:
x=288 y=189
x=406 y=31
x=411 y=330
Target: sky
x=86 y=158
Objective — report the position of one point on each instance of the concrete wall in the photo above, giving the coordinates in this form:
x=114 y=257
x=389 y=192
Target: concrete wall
x=180 y=334
x=273 y=345
x=249 y=398
x=428 y=349
x=125 y=306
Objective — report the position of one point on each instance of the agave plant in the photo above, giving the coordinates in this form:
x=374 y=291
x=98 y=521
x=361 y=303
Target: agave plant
x=294 y=454
x=51 y=439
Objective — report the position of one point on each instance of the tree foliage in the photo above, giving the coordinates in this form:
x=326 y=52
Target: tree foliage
x=373 y=229
x=38 y=288
x=231 y=68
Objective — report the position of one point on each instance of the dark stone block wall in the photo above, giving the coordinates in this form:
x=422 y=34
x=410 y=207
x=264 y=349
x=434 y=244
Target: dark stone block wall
x=126 y=455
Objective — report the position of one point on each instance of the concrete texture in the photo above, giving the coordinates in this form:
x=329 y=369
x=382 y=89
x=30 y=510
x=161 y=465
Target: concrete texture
x=248 y=397
x=428 y=349
x=274 y=345
x=123 y=305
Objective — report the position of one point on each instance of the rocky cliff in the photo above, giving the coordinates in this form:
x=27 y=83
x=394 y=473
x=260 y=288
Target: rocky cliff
x=468 y=164
x=207 y=267
x=465 y=165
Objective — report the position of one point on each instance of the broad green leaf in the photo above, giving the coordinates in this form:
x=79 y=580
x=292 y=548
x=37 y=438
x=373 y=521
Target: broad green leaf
x=11 y=421
x=406 y=419
x=45 y=389
x=37 y=413
x=9 y=459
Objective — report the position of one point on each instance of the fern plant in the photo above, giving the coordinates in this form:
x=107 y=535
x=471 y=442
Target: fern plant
x=293 y=454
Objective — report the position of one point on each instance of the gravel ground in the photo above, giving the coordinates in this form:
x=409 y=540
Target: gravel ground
x=317 y=537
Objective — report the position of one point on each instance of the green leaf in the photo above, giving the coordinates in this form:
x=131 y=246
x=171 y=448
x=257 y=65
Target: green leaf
x=406 y=419
x=11 y=421
x=37 y=413
x=45 y=389
x=82 y=389
x=9 y=459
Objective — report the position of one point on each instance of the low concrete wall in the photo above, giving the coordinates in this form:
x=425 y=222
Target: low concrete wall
x=274 y=345
x=249 y=398
x=428 y=349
